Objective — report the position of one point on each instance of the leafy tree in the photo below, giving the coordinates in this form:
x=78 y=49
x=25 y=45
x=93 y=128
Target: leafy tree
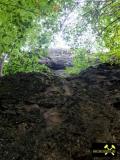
x=23 y=62
x=18 y=19
x=105 y=19
x=81 y=60
x=27 y=26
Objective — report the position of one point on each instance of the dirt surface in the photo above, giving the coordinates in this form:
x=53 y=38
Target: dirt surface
x=45 y=117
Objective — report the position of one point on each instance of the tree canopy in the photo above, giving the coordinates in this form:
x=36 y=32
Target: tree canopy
x=104 y=16
x=28 y=27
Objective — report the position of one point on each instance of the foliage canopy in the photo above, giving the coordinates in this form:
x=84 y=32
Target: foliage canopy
x=33 y=23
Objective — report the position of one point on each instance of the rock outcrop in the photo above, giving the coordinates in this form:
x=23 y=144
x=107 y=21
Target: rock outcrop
x=57 y=60
x=43 y=117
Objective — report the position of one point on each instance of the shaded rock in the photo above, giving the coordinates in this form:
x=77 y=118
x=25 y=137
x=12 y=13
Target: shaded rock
x=57 y=60
x=44 y=117
x=116 y=105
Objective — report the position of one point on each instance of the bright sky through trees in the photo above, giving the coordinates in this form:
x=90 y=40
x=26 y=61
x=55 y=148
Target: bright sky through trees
x=84 y=40
x=69 y=20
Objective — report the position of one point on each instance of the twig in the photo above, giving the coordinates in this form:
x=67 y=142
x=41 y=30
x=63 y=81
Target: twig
x=118 y=18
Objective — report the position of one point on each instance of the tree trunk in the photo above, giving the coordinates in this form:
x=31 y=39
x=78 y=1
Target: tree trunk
x=2 y=59
x=1 y=67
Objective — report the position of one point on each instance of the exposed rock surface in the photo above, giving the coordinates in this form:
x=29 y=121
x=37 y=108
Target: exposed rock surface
x=44 y=117
x=58 y=60
x=58 y=64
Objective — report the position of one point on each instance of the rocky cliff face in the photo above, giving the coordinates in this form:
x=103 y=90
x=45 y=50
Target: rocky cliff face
x=43 y=117
x=58 y=60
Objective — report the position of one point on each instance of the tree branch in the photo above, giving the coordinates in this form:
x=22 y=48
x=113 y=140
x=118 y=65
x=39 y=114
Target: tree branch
x=118 y=18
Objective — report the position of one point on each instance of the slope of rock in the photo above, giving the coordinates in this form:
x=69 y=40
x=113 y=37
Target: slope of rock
x=43 y=117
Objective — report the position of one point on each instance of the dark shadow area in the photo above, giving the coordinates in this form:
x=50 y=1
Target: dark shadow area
x=116 y=105
x=45 y=117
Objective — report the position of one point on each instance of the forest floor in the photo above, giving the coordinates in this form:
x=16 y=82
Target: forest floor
x=45 y=117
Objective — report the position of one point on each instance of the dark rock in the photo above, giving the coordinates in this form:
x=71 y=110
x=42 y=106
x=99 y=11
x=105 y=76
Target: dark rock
x=117 y=105
x=55 y=64
x=44 y=117
x=57 y=60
